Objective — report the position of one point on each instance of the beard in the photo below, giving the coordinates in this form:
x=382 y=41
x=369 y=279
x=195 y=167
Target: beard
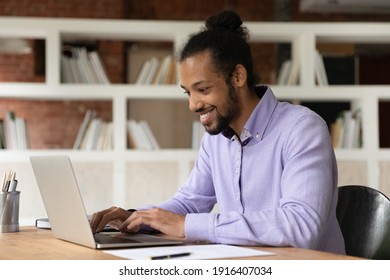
x=232 y=109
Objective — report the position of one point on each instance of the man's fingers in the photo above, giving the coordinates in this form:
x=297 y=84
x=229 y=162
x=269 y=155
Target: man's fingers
x=134 y=222
x=113 y=215
x=156 y=218
x=97 y=217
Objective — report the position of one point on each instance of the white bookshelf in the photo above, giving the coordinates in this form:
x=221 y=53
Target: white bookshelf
x=126 y=177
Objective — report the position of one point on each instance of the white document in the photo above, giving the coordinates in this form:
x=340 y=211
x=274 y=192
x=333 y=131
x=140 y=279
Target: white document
x=196 y=252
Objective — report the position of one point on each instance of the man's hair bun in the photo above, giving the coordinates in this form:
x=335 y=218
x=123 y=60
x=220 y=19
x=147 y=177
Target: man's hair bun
x=226 y=39
x=226 y=21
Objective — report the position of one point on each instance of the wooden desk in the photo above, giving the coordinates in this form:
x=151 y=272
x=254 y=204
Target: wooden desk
x=40 y=244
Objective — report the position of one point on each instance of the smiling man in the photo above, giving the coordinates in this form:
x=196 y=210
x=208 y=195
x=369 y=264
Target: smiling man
x=269 y=165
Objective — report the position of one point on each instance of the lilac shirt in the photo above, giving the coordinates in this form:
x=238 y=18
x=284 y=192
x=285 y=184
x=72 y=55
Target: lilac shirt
x=279 y=189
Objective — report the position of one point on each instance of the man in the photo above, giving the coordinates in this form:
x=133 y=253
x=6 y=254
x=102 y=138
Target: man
x=269 y=165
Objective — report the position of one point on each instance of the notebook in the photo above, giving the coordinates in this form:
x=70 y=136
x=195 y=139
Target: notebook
x=66 y=212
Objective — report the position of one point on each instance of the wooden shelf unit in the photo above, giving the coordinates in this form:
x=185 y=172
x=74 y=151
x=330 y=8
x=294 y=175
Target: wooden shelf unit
x=127 y=177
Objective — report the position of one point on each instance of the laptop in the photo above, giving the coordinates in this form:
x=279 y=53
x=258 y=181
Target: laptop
x=66 y=212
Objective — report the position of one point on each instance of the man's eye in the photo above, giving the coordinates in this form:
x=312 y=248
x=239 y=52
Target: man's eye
x=203 y=90
x=186 y=92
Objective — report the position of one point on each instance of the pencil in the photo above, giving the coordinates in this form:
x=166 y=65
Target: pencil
x=13 y=185
x=3 y=182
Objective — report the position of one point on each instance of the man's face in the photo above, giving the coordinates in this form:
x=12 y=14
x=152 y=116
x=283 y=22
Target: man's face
x=210 y=97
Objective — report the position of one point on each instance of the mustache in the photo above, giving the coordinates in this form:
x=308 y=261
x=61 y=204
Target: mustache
x=204 y=109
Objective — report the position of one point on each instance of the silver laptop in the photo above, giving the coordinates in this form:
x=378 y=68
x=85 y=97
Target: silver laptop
x=66 y=212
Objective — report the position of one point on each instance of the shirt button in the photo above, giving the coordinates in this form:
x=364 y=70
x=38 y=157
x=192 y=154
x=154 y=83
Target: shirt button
x=257 y=136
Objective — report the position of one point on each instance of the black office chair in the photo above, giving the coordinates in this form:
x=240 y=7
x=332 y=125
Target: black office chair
x=364 y=217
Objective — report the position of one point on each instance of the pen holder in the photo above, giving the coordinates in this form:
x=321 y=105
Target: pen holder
x=9 y=211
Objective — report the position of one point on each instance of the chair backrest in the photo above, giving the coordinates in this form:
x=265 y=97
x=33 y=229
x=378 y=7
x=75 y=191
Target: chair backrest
x=364 y=217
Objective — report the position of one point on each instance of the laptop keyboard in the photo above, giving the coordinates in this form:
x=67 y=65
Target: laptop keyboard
x=111 y=239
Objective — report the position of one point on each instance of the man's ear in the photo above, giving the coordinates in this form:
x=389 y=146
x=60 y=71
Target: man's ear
x=239 y=76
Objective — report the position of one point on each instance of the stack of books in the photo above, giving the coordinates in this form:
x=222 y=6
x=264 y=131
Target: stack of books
x=346 y=130
x=289 y=73
x=82 y=67
x=94 y=133
x=320 y=71
x=13 y=132
x=156 y=71
x=141 y=136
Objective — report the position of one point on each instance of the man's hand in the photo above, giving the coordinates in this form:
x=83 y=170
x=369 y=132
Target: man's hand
x=166 y=222
x=113 y=216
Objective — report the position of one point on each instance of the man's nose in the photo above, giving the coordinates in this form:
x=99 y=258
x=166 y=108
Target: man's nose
x=194 y=102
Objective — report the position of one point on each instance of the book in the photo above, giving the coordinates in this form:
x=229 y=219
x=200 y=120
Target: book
x=346 y=130
x=158 y=73
x=14 y=132
x=294 y=73
x=98 y=67
x=140 y=135
x=170 y=77
x=10 y=130
x=135 y=135
x=149 y=134
x=66 y=70
x=336 y=133
x=161 y=75
x=101 y=136
x=108 y=143
x=75 y=70
x=138 y=56
x=141 y=78
x=146 y=143
x=284 y=72
x=131 y=136
x=86 y=66
x=81 y=72
x=349 y=125
x=320 y=71
x=94 y=133
x=42 y=223
x=21 y=137
x=78 y=65
x=89 y=115
x=154 y=63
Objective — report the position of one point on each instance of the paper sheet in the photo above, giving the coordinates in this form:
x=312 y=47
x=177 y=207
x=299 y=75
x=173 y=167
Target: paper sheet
x=197 y=252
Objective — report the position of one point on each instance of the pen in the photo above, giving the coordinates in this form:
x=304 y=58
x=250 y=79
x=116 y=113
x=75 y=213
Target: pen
x=163 y=257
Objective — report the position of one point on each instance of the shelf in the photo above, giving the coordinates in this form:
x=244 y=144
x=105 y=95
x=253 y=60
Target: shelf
x=103 y=156
x=106 y=92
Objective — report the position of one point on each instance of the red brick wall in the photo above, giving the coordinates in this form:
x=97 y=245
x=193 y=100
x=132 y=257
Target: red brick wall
x=63 y=8
x=18 y=68
x=198 y=9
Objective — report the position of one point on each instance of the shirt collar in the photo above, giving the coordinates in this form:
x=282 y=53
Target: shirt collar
x=257 y=123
